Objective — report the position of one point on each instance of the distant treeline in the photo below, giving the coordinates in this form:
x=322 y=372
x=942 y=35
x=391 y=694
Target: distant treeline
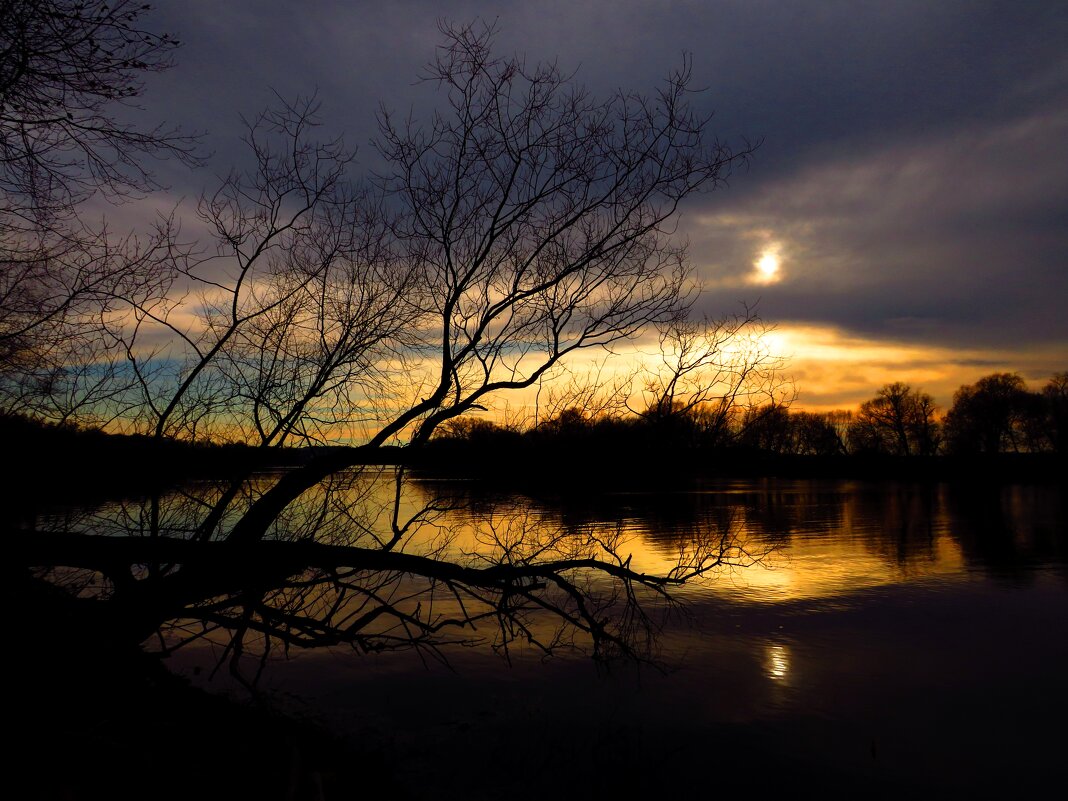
x=996 y=426
x=70 y=463
x=996 y=415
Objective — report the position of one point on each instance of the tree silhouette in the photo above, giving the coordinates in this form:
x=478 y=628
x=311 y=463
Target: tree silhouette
x=707 y=374
x=991 y=416
x=66 y=67
x=524 y=223
x=898 y=421
x=1055 y=407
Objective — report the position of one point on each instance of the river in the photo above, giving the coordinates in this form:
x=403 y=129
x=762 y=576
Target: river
x=887 y=637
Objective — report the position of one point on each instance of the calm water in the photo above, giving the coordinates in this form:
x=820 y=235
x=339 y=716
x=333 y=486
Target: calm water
x=891 y=638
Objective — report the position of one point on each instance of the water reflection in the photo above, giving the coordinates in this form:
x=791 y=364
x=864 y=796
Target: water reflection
x=817 y=539
x=413 y=547
x=371 y=561
x=804 y=539
x=777 y=662
x=858 y=624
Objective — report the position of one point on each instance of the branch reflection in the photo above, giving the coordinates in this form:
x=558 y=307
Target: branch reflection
x=371 y=560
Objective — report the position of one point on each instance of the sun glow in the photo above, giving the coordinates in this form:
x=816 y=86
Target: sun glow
x=766 y=268
x=837 y=369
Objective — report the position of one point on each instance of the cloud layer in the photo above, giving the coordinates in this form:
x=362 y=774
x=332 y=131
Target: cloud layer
x=913 y=176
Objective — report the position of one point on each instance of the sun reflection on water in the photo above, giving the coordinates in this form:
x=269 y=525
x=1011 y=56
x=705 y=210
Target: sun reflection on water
x=777 y=662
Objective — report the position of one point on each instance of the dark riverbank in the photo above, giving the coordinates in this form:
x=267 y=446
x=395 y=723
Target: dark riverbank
x=667 y=465
x=69 y=465
x=74 y=465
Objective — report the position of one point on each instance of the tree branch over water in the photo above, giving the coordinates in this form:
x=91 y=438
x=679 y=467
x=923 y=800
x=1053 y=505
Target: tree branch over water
x=521 y=223
x=525 y=578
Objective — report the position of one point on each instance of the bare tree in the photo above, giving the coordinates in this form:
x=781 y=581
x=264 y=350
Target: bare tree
x=819 y=434
x=711 y=372
x=898 y=421
x=991 y=416
x=525 y=223
x=1055 y=413
x=777 y=429
x=66 y=68
x=302 y=304
x=64 y=304
x=541 y=217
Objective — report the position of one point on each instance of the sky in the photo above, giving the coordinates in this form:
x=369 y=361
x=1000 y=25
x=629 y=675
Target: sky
x=905 y=216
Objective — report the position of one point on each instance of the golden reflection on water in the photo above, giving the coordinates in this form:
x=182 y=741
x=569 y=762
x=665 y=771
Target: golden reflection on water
x=824 y=541
x=797 y=543
x=777 y=662
x=817 y=559
x=789 y=541
x=814 y=568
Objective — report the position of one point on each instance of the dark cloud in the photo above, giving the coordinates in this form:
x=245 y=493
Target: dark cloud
x=914 y=170
x=956 y=237
x=802 y=75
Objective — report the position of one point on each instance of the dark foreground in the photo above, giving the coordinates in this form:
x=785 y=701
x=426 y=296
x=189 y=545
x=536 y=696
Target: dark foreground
x=858 y=707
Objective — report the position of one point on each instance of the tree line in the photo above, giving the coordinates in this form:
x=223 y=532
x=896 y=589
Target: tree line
x=997 y=414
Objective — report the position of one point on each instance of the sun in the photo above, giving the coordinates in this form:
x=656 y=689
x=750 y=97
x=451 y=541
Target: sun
x=767 y=268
